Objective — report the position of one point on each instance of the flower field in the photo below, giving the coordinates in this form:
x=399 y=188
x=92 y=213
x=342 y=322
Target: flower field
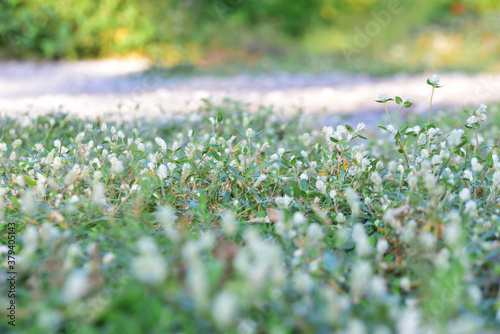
x=238 y=222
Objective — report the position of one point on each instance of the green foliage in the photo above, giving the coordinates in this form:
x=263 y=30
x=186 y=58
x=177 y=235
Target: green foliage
x=207 y=225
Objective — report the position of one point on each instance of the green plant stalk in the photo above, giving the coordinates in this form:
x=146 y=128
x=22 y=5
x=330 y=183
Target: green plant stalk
x=430 y=108
x=397 y=115
x=387 y=112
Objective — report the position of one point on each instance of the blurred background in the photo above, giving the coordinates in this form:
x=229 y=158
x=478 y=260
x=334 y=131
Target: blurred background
x=302 y=34
x=228 y=37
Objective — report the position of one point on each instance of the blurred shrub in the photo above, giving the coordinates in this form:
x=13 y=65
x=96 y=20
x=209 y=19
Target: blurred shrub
x=427 y=32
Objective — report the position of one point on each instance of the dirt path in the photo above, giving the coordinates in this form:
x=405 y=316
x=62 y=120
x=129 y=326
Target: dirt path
x=91 y=88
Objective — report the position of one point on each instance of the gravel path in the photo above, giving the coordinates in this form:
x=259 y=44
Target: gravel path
x=92 y=88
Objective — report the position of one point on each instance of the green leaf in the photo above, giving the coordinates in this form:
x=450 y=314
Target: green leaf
x=399 y=100
x=348 y=127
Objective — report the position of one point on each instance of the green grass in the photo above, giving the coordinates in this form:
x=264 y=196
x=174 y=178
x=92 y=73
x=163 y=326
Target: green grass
x=154 y=226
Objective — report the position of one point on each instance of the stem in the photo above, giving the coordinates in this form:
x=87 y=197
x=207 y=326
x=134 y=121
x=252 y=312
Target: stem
x=387 y=111
x=430 y=109
x=397 y=115
x=477 y=143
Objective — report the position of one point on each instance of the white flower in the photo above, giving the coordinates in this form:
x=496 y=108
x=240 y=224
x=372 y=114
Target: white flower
x=333 y=194
x=383 y=96
x=224 y=309
x=480 y=113
x=161 y=143
x=320 y=185
x=408 y=99
x=76 y=286
x=70 y=177
x=363 y=247
x=472 y=120
x=283 y=202
x=382 y=247
x=468 y=175
x=304 y=176
x=405 y=284
x=360 y=127
x=108 y=257
x=98 y=195
x=340 y=217
x=391 y=129
x=476 y=166
x=464 y=194
x=229 y=223
x=249 y=132
x=455 y=137
x=424 y=153
x=315 y=232
x=281 y=151
x=150 y=268
x=470 y=207
x=17 y=143
x=434 y=80
x=57 y=163
x=162 y=171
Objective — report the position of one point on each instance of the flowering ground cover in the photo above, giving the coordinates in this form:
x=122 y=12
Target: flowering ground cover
x=234 y=222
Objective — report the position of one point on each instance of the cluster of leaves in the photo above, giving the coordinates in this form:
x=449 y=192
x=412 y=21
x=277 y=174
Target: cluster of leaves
x=207 y=225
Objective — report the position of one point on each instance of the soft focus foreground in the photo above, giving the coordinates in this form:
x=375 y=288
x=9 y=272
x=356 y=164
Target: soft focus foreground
x=247 y=223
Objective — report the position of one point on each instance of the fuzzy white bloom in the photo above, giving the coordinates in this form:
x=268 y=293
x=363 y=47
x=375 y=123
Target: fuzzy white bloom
x=434 y=80
x=352 y=200
x=70 y=177
x=104 y=127
x=383 y=96
x=340 y=217
x=405 y=284
x=333 y=194
x=471 y=207
x=108 y=258
x=468 y=175
x=224 y=310
x=16 y=143
x=171 y=166
x=249 y=133
x=320 y=185
x=360 y=127
x=260 y=179
x=391 y=129
x=464 y=194
x=98 y=195
x=472 y=120
x=161 y=143
x=304 y=176
x=436 y=160
x=149 y=267
x=229 y=223
x=360 y=276
x=476 y=166
x=382 y=247
x=162 y=171
x=3 y=149
x=455 y=137
x=281 y=151
x=76 y=286
x=363 y=247
x=283 y=202
x=57 y=163
x=315 y=232
x=481 y=113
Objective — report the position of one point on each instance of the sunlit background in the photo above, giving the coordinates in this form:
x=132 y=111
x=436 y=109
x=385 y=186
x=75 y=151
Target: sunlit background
x=364 y=35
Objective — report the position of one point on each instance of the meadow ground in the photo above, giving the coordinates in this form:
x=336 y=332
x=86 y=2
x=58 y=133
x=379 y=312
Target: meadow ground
x=238 y=222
